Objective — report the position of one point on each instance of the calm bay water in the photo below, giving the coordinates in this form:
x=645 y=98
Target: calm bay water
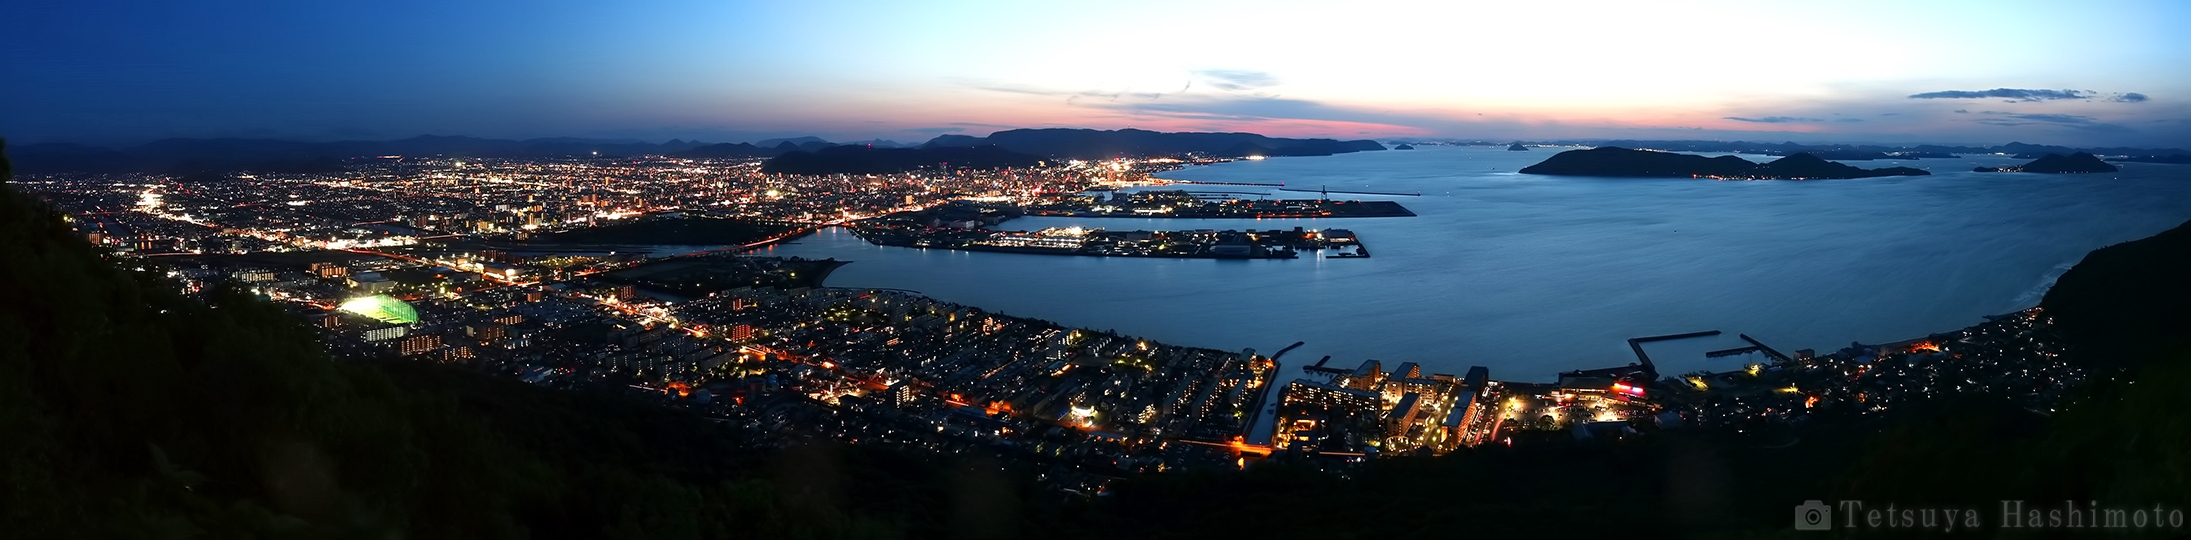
x=1530 y=275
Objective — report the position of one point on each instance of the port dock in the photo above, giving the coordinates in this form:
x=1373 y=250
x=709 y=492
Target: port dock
x=1768 y=350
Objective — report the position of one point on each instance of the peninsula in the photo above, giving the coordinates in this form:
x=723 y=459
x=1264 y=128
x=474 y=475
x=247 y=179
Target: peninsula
x=1622 y=162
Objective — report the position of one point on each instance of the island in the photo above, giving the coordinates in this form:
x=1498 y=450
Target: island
x=1404 y=146
x=1622 y=162
x=1517 y=147
x=2077 y=163
x=1188 y=204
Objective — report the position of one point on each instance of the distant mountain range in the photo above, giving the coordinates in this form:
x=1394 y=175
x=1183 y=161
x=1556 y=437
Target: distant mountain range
x=849 y=159
x=187 y=156
x=1622 y=162
x=1100 y=144
x=267 y=155
x=1859 y=152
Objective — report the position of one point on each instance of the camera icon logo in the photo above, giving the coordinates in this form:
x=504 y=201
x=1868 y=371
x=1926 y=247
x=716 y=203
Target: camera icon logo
x=1813 y=516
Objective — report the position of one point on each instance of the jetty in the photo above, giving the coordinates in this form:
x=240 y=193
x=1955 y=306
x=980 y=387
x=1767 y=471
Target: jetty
x=1636 y=344
x=1768 y=350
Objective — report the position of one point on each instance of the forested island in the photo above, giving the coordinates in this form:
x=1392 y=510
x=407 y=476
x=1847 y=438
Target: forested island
x=2077 y=163
x=1622 y=162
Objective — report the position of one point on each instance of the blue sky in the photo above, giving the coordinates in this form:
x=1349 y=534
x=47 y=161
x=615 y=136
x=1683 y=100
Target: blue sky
x=1980 y=72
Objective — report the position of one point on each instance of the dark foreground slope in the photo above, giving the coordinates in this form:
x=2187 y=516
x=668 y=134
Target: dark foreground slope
x=2128 y=304
x=132 y=411
x=1622 y=162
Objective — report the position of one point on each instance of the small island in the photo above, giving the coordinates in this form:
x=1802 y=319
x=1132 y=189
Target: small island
x=1517 y=147
x=1404 y=146
x=1622 y=162
x=2077 y=163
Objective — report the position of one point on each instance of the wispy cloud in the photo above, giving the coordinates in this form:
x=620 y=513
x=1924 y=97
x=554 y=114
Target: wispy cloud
x=936 y=130
x=1774 y=119
x=2085 y=123
x=2030 y=94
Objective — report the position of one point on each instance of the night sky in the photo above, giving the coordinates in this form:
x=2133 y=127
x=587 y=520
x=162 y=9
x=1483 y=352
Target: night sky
x=2089 y=73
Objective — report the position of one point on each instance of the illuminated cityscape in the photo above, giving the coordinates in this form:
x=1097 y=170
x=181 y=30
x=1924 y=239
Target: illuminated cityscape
x=979 y=270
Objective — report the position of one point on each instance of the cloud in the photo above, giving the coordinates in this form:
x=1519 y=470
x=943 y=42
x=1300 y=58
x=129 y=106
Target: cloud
x=936 y=130
x=1070 y=95
x=1235 y=79
x=1774 y=119
x=2020 y=94
x=2026 y=95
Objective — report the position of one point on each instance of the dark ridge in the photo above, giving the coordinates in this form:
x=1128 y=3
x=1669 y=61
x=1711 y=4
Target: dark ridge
x=2125 y=303
x=726 y=150
x=1622 y=162
x=865 y=160
x=1804 y=165
x=1134 y=143
x=267 y=155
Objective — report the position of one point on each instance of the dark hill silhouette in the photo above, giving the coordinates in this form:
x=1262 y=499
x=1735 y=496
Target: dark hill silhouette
x=865 y=160
x=231 y=154
x=2125 y=302
x=1097 y=144
x=1616 y=161
x=1803 y=165
x=725 y=150
x=1623 y=162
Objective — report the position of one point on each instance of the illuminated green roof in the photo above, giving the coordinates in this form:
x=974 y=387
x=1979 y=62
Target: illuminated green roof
x=383 y=308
